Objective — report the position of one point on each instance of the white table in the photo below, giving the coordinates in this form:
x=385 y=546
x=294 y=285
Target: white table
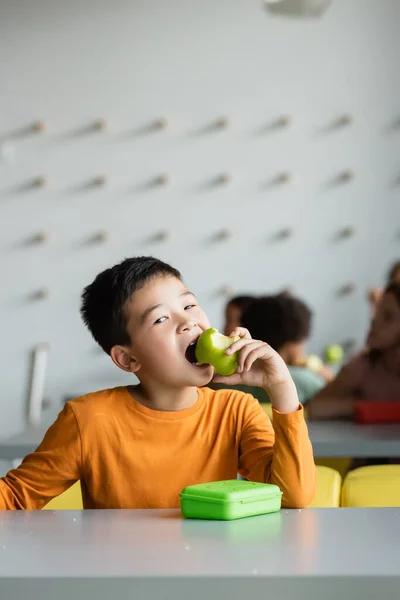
x=329 y=439
x=306 y=555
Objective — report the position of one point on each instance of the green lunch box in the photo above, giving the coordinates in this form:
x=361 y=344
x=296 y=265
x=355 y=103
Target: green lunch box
x=228 y=500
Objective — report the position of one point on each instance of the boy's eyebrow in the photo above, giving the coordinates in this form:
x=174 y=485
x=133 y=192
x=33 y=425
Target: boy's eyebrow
x=148 y=311
x=151 y=308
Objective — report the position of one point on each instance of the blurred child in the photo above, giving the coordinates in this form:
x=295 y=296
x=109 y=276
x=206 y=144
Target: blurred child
x=375 y=294
x=234 y=310
x=138 y=446
x=284 y=322
x=374 y=374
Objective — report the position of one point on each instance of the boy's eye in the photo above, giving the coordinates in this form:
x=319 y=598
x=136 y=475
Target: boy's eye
x=189 y=306
x=160 y=320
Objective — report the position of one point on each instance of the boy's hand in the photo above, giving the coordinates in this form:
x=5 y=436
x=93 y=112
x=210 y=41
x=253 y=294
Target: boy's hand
x=326 y=373
x=259 y=365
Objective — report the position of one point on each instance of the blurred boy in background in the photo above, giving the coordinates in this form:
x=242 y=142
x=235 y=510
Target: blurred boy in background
x=284 y=322
x=372 y=375
x=375 y=294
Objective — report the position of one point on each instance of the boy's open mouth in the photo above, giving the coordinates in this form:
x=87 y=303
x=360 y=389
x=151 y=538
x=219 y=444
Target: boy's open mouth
x=190 y=353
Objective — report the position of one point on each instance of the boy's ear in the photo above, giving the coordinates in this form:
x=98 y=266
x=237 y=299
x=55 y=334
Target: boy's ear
x=122 y=357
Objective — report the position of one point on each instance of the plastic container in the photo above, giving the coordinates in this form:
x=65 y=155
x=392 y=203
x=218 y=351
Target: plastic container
x=229 y=500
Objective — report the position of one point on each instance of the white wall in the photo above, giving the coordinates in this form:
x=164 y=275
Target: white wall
x=130 y=62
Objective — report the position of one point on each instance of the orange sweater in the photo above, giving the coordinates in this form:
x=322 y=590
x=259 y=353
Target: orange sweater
x=128 y=456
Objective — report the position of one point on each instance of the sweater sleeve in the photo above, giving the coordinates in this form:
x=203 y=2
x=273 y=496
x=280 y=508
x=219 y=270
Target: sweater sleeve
x=281 y=454
x=49 y=471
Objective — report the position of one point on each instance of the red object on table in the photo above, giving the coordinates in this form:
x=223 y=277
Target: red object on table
x=387 y=411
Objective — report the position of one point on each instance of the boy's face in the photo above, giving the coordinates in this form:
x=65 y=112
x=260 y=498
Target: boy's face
x=385 y=329
x=163 y=319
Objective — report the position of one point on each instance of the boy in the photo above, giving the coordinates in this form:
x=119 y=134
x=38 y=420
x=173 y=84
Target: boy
x=139 y=446
x=285 y=323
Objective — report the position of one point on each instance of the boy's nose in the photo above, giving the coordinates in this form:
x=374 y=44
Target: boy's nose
x=187 y=325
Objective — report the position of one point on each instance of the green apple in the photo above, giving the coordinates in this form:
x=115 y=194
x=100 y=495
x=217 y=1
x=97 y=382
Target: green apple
x=210 y=349
x=314 y=362
x=334 y=353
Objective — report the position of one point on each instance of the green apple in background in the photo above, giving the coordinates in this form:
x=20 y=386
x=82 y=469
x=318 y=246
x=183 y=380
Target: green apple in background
x=314 y=363
x=210 y=349
x=334 y=353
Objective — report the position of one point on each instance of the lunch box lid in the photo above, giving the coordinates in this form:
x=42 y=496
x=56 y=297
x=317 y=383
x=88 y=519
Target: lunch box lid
x=231 y=491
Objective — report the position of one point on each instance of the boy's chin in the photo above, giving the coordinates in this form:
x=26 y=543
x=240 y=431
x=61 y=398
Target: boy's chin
x=202 y=375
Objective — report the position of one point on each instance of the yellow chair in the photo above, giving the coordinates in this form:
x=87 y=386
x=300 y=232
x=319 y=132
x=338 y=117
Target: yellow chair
x=329 y=484
x=372 y=486
x=71 y=499
x=342 y=465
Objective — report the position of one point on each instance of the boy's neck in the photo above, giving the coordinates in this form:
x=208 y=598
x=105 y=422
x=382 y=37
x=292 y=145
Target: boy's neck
x=287 y=356
x=165 y=400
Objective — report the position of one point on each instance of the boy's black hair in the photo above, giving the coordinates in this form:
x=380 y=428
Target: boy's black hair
x=103 y=301
x=278 y=319
x=242 y=302
x=393 y=270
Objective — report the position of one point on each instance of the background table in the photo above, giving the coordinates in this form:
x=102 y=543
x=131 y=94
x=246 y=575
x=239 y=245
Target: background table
x=28 y=440
x=329 y=439
x=341 y=438
x=302 y=554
